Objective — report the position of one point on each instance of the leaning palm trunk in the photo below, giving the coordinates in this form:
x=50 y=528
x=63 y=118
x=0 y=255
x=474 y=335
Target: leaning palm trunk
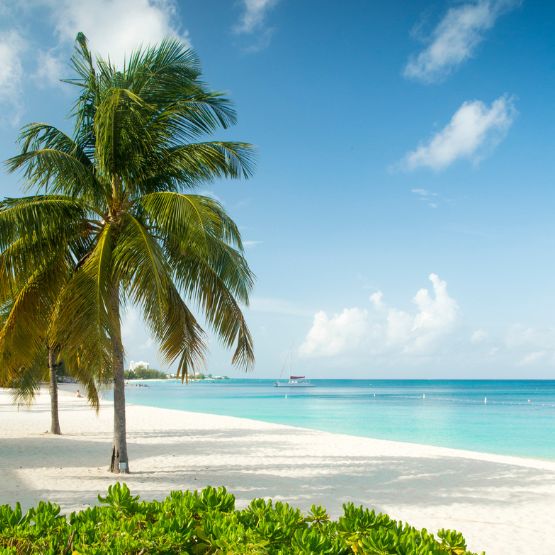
x=54 y=416
x=119 y=462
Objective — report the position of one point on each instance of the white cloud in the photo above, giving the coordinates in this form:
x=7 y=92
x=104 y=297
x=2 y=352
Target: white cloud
x=254 y=15
x=249 y=244
x=139 y=365
x=50 y=68
x=385 y=329
x=428 y=197
x=473 y=130
x=423 y=193
x=11 y=74
x=455 y=38
x=377 y=299
x=252 y=24
x=436 y=314
x=116 y=27
x=334 y=335
x=478 y=336
x=533 y=358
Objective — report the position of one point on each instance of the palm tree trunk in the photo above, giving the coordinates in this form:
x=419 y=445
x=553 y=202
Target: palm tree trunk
x=119 y=463
x=54 y=418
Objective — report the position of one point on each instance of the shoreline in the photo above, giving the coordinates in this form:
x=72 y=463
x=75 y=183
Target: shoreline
x=529 y=462
x=511 y=456
x=494 y=500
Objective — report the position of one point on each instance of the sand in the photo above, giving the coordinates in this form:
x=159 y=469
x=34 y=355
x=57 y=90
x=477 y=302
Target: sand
x=503 y=505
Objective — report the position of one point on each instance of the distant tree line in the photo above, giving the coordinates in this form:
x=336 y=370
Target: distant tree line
x=145 y=374
x=201 y=376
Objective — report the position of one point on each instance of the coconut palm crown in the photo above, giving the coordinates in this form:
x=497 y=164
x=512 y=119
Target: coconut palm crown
x=113 y=201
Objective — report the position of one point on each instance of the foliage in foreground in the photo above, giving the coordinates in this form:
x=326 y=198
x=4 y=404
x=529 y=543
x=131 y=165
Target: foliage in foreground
x=207 y=522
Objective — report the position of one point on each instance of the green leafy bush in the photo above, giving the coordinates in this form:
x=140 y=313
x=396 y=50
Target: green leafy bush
x=206 y=521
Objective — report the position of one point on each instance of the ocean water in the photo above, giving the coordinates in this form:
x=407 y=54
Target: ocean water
x=504 y=417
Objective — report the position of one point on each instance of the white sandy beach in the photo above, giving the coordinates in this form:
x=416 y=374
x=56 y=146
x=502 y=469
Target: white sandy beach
x=503 y=505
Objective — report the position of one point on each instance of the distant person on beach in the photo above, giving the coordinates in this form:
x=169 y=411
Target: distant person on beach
x=78 y=394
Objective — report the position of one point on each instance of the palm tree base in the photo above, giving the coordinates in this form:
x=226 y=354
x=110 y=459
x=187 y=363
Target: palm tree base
x=116 y=466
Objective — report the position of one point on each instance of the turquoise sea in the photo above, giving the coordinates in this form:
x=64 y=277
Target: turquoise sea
x=505 y=417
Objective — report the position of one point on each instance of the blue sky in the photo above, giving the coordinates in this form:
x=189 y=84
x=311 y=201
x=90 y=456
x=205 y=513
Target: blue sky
x=400 y=221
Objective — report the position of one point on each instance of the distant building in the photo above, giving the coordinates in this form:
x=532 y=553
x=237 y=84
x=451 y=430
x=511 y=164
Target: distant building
x=139 y=365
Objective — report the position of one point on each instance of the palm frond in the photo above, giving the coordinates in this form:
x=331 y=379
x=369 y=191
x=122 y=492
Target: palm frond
x=25 y=382
x=157 y=69
x=193 y=218
x=215 y=283
x=189 y=165
x=82 y=323
x=41 y=217
x=123 y=140
x=140 y=264
x=74 y=367
x=85 y=106
x=25 y=327
x=167 y=76
x=53 y=161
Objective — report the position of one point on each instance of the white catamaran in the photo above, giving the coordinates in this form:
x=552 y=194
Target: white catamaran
x=294 y=381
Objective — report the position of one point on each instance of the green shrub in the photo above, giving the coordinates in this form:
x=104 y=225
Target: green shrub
x=206 y=521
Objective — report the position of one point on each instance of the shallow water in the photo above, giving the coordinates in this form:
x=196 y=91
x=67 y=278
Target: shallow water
x=518 y=417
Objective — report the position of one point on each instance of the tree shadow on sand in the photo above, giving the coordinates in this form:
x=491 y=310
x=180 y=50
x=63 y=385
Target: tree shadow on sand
x=256 y=463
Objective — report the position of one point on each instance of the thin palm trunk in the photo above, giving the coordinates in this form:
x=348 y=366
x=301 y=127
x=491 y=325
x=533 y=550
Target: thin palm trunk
x=119 y=463
x=54 y=418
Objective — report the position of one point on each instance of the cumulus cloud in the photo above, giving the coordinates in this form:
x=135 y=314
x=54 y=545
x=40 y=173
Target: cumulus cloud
x=332 y=335
x=116 y=27
x=474 y=130
x=376 y=299
x=385 y=329
x=254 y=15
x=12 y=46
x=50 y=67
x=455 y=38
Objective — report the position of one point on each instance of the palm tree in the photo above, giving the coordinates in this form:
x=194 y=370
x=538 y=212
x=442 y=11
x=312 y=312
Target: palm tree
x=118 y=190
x=28 y=352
